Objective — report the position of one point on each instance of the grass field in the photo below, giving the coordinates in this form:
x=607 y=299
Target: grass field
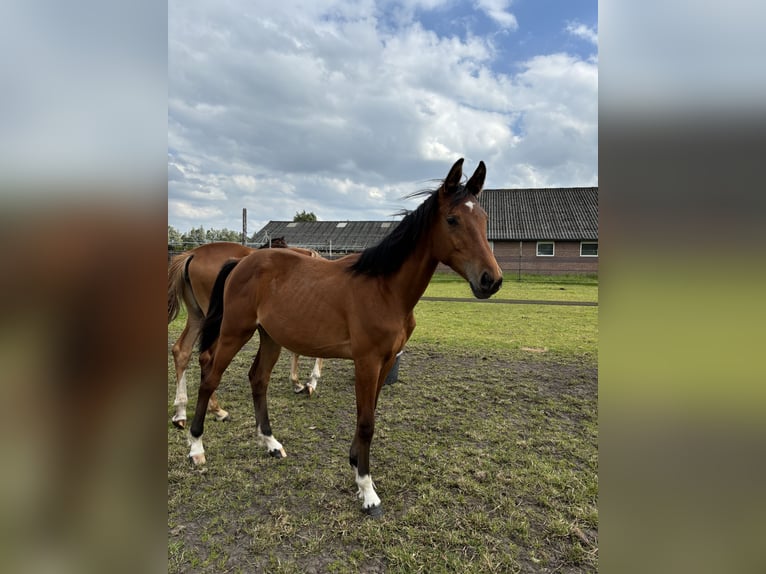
x=530 y=287
x=485 y=454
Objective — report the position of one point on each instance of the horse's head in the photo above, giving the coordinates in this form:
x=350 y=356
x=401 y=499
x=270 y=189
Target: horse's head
x=279 y=242
x=460 y=233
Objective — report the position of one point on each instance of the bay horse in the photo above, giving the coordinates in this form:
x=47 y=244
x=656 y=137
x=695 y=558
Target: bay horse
x=191 y=276
x=363 y=302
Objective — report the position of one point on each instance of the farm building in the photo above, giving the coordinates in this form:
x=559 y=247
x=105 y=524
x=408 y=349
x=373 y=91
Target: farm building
x=544 y=230
x=541 y=230
x=330 y=238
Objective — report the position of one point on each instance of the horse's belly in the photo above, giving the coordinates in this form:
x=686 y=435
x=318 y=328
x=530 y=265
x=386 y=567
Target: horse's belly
x=307 y=338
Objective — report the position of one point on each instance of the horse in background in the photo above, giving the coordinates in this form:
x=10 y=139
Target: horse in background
x=364 y=303
x=191 y=276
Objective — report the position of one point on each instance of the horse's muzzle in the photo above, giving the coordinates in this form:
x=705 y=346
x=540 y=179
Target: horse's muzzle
x=487 y=287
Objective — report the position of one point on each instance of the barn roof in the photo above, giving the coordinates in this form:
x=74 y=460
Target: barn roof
x=321 y=235
x=514 y=214
x=562 y=213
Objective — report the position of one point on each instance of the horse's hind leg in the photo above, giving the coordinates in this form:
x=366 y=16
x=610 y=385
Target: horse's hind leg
x=215 y=408
x=182 y=350
x=298 y=387
x=316 y=374
x=259 y=375
x=213 y=363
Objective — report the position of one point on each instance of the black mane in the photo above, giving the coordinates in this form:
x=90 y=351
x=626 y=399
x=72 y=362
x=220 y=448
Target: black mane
x=389 y=255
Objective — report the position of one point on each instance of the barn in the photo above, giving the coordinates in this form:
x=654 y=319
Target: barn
x=544 y=230
x=330 y=238
x=535 y=230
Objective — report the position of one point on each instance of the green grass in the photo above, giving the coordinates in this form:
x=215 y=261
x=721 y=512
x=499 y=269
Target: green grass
x=564 y=332
x=485 y=457
x=534 y=287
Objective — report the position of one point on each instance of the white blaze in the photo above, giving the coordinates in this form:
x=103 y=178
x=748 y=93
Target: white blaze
x=469 y=205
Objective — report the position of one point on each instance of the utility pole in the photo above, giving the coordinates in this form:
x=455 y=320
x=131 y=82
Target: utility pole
x=244 y=225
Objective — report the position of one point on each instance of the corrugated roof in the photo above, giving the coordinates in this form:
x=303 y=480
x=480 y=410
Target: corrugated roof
x=321 y=235
x=542 y=213
x=557 y=214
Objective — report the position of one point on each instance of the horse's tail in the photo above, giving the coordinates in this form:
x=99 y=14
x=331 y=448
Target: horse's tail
x=176 y=283
x=211 y=327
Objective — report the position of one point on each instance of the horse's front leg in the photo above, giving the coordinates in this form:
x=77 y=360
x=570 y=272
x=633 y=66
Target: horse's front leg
x=182 y=351
x=368 y=384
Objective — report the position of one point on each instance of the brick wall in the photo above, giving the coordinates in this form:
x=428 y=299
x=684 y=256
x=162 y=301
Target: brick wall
x=566 y=258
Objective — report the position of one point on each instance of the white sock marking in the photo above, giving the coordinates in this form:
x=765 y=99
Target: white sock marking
x=270 y=442
x=316 y=374
x=181 y=399
x=196 y=446
x=366 y=490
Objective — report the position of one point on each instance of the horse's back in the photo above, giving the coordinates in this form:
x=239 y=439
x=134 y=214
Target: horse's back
x=207 y=261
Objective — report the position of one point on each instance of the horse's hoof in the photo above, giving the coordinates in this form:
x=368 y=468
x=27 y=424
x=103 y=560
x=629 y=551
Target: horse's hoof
x=374 y=511
x=299 y=390
x=278 y=453
x=197 y=459
x=311 y=391
x=180 y=424
x=222 y=417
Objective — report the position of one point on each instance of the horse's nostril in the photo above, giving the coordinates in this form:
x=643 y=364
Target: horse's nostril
x=486 y=280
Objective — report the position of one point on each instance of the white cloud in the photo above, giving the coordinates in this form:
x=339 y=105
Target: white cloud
x=305 y=110
x=497 y=10
x=582 y=31
x=187 y=211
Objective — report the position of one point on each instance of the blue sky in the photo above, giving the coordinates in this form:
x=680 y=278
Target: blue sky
x=343 y=107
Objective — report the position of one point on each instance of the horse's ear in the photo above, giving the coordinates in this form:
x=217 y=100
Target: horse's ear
x=452 y=181
x=476 y=183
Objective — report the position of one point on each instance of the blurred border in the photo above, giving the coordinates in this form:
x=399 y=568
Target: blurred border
x=83 y=179
x=82 y=233
x=682 y=218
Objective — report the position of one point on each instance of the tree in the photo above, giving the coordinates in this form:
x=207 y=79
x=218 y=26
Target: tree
x=194 y=237
x=223 y=235
x=303 y=216
x=174 y=238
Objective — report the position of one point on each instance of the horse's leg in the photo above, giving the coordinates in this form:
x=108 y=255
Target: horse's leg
x=316 y=374
x=297 y=386
x=368 y=382
x=259 y=375
x=213 y=363
x=215 y=408
x=182 y=350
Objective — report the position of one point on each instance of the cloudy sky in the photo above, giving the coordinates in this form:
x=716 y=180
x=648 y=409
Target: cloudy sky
x=341 y=107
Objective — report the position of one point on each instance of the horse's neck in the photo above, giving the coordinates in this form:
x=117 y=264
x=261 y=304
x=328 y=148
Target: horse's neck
x=412 y=279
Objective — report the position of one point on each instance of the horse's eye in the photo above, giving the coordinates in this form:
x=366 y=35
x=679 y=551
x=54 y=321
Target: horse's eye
x=452 y=220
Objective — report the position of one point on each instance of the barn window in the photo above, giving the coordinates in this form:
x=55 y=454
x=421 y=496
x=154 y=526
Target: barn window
x=545 y=249
x=588 y=249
